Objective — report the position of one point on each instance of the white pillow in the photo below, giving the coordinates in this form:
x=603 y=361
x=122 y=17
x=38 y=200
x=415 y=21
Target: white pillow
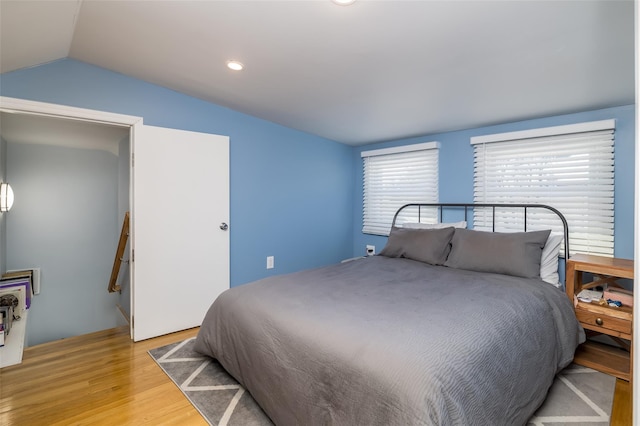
x=549 y=261
x=413 y=225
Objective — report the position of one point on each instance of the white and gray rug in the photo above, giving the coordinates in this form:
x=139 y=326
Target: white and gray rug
x=579 y=396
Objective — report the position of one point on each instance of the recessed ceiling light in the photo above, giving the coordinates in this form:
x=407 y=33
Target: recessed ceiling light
x=235 y=65
x=343 y=2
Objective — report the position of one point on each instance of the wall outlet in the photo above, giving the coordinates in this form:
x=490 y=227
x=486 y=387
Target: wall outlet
x=371 y=250
x=270 y=262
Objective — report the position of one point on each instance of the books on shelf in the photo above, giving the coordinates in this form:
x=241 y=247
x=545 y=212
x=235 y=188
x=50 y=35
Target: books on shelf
x=20 y=285
x=32 y=274
x=12 y=283
x=20 y=292
x=611 y=294
x=590 y=296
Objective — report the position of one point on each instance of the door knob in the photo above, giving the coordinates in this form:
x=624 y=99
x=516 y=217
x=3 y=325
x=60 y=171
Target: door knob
x=224 y=226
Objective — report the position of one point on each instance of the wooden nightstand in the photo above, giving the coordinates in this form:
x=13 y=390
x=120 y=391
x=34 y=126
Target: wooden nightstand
x=617 y=323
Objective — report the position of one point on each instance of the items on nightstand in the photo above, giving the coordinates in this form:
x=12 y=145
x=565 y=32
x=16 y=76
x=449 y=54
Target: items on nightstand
x=619 y=294
x=598 y=317
x=590 y=295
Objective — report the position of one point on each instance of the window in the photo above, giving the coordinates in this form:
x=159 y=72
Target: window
x=394 y=177
x=567 y=167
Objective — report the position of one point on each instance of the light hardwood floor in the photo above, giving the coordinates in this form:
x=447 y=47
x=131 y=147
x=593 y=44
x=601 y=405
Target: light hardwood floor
x=104 y=378
x=101 y=378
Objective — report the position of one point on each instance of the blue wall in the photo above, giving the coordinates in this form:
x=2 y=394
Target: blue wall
x=65 y=221
x=456 y=170
x=291 y=192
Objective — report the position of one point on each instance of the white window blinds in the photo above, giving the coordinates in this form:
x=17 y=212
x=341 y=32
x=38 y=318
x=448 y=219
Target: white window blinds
x=570 y=168
x=394 y=177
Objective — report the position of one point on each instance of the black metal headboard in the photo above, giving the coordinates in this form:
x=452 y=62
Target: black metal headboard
x=471 y=206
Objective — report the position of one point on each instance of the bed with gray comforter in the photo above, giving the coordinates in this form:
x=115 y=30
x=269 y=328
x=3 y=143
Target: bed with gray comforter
x=393 y=341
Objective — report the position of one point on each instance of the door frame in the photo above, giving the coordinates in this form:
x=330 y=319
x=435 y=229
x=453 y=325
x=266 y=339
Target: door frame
x=23 y=106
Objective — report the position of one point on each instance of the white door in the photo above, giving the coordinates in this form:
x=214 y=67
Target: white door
x=180 y=199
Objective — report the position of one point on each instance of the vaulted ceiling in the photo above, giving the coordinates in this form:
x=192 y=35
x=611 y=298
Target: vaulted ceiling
x=368 y=72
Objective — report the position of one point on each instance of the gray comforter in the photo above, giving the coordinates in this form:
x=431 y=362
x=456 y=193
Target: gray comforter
x=383 y=341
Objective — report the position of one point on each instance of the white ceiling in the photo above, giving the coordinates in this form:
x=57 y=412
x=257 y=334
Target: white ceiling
x=372 y=71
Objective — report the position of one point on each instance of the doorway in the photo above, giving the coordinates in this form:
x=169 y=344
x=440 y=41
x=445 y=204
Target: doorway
x=179 y=224
x=71 y=181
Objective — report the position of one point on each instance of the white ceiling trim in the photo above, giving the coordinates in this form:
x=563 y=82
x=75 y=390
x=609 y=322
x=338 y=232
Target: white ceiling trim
x=15 y=105
x=32 y=122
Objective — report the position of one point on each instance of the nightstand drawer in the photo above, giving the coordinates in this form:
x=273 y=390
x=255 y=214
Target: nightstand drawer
x=603 y=321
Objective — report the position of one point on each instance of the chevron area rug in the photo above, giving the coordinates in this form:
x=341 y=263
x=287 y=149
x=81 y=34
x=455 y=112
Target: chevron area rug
x=578 y=396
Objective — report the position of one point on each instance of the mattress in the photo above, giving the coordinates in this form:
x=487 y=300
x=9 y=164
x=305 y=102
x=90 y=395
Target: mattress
x=393 y=341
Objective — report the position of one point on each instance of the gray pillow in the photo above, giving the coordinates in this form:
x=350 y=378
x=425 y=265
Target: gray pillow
x=517 y=253
x=424 y=245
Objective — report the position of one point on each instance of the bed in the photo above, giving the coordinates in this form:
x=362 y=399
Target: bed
x=427 y=332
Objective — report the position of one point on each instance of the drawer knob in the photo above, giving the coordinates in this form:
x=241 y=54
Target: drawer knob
x=599 y=321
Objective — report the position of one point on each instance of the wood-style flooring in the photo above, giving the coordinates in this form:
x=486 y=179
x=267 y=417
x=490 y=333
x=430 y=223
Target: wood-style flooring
x=101 y=378
x=104 y=378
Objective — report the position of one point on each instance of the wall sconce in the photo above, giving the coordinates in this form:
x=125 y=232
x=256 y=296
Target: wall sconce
x=6 y=197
